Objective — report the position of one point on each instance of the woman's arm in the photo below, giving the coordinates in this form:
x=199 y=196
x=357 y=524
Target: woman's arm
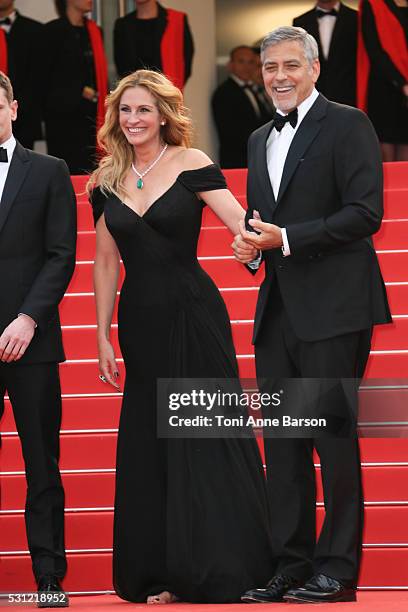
x=105 y=276
x=221 y=202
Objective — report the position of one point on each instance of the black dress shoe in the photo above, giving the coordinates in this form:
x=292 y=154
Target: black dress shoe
x=274 y=591
x=51 y=594
x=320 y=589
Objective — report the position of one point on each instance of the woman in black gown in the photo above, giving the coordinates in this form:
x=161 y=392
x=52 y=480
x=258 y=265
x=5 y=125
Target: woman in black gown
x=190 y=514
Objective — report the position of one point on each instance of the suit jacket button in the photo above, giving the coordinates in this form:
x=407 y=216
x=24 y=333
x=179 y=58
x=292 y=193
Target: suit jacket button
x=280 y=267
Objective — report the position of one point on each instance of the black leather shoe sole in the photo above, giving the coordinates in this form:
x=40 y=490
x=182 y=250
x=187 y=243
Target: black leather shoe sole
x=253 y=599
x=348 y=596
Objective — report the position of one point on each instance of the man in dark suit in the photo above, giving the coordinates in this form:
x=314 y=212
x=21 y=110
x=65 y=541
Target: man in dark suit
x=22 y=42
x=315 y=180
x=238 y=109
x=334 y=26
x=37 y=258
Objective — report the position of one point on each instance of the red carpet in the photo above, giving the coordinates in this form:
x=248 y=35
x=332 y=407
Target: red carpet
x=91 y=412
x=378 y=601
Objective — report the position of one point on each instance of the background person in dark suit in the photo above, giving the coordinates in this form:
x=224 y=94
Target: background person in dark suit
x=154 y=37
x=334 y=26
x=74 y=75
x=21 y=60
x=37 y=258
x=237 y=108
x=315 y=180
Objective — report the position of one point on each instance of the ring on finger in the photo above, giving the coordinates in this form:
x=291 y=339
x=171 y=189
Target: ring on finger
x=102 y=377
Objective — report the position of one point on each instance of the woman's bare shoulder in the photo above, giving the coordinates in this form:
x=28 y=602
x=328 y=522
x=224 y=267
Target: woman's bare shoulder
x=192 y=159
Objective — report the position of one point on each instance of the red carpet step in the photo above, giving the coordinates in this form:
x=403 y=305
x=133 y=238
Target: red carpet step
x=79 y=309
x=382 y=484
x=90 y=451
x=93 y=571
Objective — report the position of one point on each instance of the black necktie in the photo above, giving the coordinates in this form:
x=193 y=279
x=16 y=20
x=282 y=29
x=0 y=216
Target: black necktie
x=280 y=120
x=3 y=155
x=320 y=13
x=6 y=21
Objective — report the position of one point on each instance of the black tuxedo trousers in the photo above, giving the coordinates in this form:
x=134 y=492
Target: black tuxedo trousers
x=289 y=461
x=34 y=391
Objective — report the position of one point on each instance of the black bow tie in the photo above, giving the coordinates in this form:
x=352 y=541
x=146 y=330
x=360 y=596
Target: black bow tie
x=3 y=155
x=5 y=21
x=280 y=120
x=320 y=13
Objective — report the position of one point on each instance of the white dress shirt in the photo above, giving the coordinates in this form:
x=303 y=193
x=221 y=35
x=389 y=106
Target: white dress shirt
x=9 y=145
x=326 y=27
x=277 y=148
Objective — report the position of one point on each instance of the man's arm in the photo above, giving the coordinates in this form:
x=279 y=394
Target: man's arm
x=51 y=282
x=358 y=175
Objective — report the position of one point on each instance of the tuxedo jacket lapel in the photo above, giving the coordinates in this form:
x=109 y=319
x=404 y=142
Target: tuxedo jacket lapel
x=305 y=135
x=262 y=170
x=19 y=167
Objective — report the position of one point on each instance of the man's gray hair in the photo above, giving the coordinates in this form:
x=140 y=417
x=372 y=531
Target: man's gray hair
x=290 y=33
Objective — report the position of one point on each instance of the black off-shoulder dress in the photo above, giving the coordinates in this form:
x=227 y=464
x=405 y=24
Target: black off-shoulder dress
x=191 y=514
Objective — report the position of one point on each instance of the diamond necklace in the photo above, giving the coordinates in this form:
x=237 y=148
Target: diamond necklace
x=140 y=183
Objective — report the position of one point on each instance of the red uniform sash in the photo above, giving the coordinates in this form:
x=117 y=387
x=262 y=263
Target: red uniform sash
x=101 y=69
x=393 y=41
x=3 y=52
x=172 y=48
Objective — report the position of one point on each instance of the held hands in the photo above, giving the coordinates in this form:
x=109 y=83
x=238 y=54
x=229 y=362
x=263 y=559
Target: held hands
x=15 y=338
x=108 y=369
x=266 y=235
x=244 y=252
x=247 y=244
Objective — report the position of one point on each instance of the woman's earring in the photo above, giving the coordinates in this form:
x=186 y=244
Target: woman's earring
x=163 y=123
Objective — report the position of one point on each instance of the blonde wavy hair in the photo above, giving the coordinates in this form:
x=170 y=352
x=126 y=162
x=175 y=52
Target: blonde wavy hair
x=117 y=152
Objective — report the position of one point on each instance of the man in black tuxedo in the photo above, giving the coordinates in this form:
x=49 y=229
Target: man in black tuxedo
x=238 y=108
x=334 y=26
x=314 y=199
x=37 y=258
x=23 y=39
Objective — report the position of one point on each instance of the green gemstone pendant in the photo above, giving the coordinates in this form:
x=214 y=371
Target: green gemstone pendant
x=140 y=184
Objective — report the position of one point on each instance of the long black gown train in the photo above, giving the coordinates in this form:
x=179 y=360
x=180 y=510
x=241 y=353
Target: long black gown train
x=190 y=514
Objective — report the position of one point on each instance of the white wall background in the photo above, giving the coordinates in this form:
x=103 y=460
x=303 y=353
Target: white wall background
x=41 y=10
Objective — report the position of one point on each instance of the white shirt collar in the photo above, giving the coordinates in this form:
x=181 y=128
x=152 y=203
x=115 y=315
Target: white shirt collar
x=9 y=145
x=305 y=106
x=239 y=81
x=336 y=8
